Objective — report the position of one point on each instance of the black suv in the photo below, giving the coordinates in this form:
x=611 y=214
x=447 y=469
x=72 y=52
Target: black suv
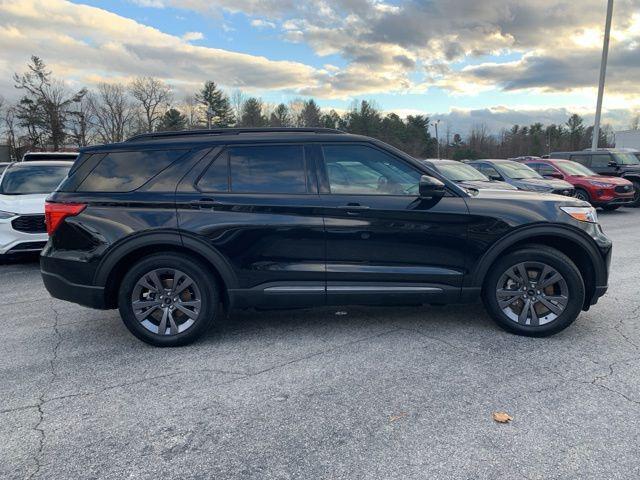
x=166 y=227
x=611 y=163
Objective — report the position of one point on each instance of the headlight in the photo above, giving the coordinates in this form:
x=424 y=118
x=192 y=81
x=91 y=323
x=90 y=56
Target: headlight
x=601 y=184
x=582 y=214
x=5 y=215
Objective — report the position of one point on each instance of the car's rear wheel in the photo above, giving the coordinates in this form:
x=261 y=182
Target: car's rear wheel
x=168 y=300
x=536 y=291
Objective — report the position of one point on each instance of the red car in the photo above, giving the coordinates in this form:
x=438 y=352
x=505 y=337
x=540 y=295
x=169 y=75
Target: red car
x=606 y=192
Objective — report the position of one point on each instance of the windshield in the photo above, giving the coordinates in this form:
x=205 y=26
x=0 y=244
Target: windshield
x=30 y=180
x=517 y=171
x=574 y=168
x=460 y=172
x=626 y=158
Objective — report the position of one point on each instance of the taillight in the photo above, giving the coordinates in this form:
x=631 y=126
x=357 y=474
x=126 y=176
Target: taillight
x=55 y=213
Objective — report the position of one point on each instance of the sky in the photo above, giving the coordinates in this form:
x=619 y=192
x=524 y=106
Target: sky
x=467 y=62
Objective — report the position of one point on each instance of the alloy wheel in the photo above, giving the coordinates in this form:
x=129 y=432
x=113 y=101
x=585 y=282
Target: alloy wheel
x=532 y=293
x=580 y=195
x=166 y=301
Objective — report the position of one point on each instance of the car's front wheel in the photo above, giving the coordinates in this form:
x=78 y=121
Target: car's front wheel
x=536 y=291
x=168 y=299
x=636 y=195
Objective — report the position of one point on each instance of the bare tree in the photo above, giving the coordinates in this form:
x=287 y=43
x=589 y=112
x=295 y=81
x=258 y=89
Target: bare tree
x=82 y=122
x=44 y=109
x=154 y=97
x=193 y=111
x=11 y=131
x=238 y=99
x=112 y=113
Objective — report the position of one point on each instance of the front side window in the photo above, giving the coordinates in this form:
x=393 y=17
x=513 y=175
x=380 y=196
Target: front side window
x=25 y=180
x=363 y=170
x=600 y=161
x=488 y=171
x=267 y=169
x=581 y=159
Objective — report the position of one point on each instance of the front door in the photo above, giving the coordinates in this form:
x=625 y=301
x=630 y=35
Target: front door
x=384 y=243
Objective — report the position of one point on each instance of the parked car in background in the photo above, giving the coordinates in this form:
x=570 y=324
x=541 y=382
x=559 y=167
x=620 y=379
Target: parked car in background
x=522 y=177
x=167 y=226
x=465 y=175
x=609 y=193
x=23 y=190
x=42 y=156
x=610 y=162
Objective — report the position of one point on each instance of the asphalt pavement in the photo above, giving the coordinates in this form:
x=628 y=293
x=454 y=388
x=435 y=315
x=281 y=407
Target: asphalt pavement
x=329 y=393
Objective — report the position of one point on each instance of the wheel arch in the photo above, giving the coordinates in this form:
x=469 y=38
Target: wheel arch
x=117 y=262
x=579 y=248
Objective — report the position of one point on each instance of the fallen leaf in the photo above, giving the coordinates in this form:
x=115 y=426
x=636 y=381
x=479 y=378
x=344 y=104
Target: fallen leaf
x=501 y=417
x=394 y=418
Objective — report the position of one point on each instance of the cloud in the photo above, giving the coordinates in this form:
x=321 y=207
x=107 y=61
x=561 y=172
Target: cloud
x=192 y=36
x=258 y=23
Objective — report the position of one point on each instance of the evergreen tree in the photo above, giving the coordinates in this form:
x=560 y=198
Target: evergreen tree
x=252 y=115
x=280 y=117
x=331 y=120
x=576 y=131
x=364 y=119
x=172 y=121
x=310 y=114
x=217 y=107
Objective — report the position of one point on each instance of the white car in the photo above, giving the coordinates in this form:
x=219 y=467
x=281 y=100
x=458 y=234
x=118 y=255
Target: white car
x=23 y=190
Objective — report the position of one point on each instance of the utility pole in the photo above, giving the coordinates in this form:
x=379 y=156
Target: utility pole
x=603 y=73
x=435 y=125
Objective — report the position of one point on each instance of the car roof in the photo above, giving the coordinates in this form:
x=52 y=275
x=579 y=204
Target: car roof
x=43 y=163
x=194 y=138
x=493 y=160
x=62 y=154
x=435 y=161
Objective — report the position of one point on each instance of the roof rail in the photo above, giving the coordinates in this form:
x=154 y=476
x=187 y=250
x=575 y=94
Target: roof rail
x=229 y=131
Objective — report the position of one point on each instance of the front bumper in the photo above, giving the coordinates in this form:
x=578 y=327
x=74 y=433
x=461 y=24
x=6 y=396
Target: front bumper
x=14 y=241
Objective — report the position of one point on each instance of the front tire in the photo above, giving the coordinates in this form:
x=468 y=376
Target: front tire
x=168 y=299
x=536 y=291
x=636 y=195
x=582 y=194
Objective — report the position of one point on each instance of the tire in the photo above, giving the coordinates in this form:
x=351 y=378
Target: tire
x=636 y=195
x=187 y=313
x=610 y=208
x=582 y=194
x=534 y=258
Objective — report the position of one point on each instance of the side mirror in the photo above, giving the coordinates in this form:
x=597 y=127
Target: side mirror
x=555 y=175
x=431 y=187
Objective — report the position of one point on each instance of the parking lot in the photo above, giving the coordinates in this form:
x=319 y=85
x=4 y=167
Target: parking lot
x=327 y=393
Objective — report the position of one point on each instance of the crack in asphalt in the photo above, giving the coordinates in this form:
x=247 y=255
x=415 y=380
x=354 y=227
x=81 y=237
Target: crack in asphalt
x=37 y=458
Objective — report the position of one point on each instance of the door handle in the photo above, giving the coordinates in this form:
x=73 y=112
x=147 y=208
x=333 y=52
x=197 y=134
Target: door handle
x=353 y=208
x=203 y=203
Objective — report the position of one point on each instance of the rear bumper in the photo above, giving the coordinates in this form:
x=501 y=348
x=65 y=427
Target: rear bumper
x=61 y=288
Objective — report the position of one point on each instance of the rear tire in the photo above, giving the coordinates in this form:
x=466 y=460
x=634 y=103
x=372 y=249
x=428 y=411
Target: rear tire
x=168 y=299
x=548 y=309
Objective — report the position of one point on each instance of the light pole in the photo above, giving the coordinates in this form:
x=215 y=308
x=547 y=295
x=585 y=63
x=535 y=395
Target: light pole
x=435 y=125
x=603 y=73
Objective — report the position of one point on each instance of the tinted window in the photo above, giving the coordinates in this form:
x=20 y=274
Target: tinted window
x=127 y=171
x=488 y=170
x=267 y=169
x=216 y=177
x=543 y=168
x=600 y=161
x=358 y=169
x=23 y=180
x=582 y=159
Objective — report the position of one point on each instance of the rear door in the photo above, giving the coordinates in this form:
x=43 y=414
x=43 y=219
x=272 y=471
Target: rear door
x=258 y=206
x=385 y=244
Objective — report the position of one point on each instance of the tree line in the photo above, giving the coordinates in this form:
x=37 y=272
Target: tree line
x=51 y=116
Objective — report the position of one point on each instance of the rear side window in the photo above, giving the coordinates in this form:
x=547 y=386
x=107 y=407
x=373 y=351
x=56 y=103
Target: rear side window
x=120 y=172
x=267 y=169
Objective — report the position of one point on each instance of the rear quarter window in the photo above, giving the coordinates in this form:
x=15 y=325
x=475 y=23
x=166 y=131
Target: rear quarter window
x=120 y=172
